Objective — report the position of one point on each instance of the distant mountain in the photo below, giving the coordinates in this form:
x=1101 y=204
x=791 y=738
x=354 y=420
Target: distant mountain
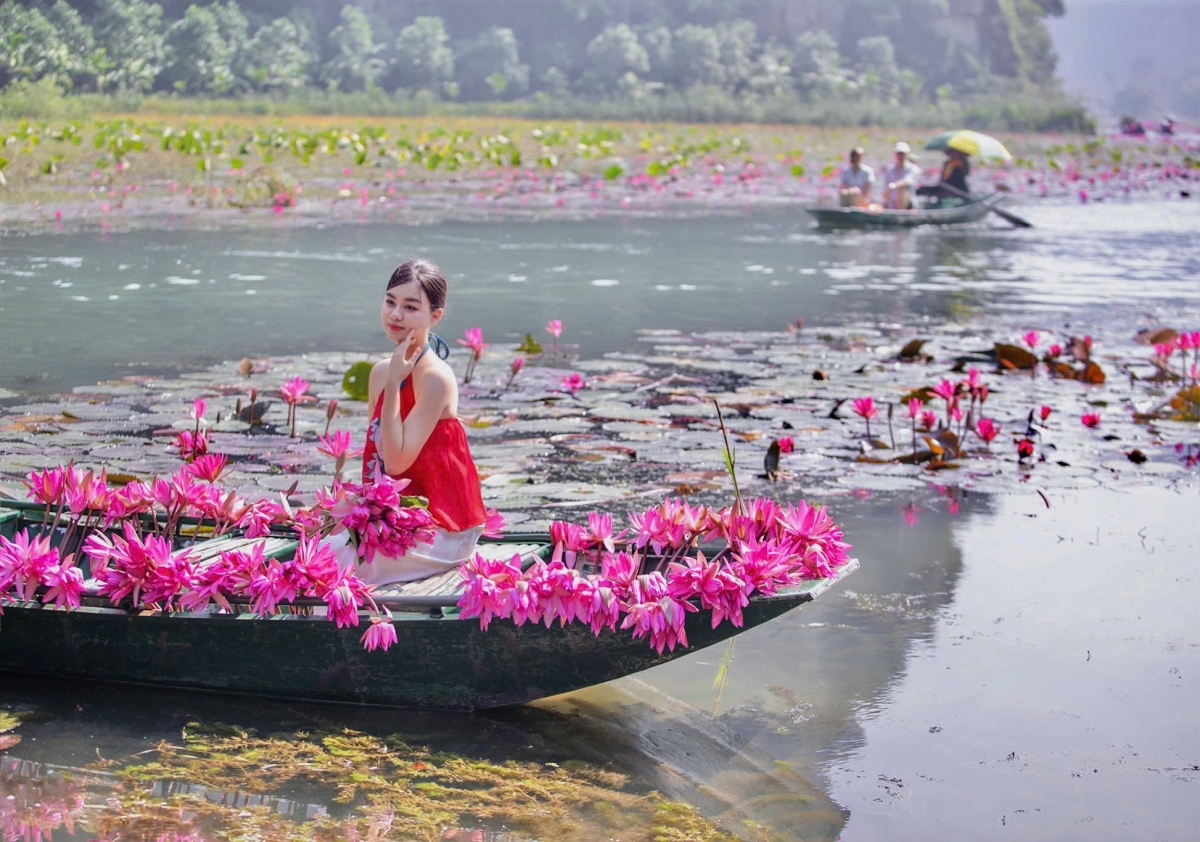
x=1136 y=57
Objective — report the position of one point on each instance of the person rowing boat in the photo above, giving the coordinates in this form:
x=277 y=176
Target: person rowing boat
x=952 y=182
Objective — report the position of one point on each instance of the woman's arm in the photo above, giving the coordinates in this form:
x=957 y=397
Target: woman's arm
x=401 y=441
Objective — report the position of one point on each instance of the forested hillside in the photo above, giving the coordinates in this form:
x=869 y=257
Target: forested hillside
x=887 y=51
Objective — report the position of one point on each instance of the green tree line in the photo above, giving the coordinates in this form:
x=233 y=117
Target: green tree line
x=890 y=51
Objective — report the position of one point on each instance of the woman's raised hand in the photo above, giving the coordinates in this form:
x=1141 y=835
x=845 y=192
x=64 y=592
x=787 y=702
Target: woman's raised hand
x=404 y=359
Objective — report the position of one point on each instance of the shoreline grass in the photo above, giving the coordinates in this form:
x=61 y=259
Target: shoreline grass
x=1030 y=110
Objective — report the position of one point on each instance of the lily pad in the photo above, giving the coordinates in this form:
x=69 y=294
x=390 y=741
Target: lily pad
x=1014 y=357
x=356 y=380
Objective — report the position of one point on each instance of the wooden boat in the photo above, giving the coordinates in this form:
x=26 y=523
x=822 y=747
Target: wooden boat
x=837 y=217
x=441 y=661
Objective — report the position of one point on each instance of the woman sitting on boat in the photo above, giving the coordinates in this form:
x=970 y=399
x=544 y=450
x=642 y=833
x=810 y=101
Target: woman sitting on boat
x=414 y=432
x=953 y=180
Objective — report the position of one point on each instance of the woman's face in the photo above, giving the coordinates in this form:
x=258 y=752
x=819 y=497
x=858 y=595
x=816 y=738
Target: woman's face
x=406 y=309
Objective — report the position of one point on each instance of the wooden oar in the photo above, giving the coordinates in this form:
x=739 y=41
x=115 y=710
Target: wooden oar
x=1011 y=217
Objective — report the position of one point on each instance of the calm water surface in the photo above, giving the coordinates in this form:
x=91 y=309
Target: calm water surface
x=1012 y=671
x=75 y=309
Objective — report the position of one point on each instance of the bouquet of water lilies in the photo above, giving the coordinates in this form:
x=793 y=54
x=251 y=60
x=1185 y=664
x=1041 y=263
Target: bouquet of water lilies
x=377 y=518
x=649 y=577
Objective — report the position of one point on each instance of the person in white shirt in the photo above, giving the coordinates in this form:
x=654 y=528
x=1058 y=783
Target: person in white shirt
x=900 y=178
x=857 y=181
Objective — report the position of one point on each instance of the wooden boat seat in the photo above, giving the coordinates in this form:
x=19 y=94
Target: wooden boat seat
x=431 y=592
x=207 y=551
x=443 y=588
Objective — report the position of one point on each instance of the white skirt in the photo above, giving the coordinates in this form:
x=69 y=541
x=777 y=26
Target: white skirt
x=448 y=550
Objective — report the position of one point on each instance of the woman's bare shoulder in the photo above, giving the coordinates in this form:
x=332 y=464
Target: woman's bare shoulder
x=378 y=377
x=439 y=376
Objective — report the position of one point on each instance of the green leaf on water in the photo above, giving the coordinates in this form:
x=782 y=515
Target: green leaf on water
x=356 y=380
x=237 y=163
x=530 y=345
x=614 y=172
x=797 y=170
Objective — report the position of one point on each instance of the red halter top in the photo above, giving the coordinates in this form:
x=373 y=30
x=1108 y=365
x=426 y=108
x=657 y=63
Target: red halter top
x=443 y=472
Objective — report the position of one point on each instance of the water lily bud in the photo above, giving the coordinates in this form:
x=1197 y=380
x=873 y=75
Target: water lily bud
x=331 y=409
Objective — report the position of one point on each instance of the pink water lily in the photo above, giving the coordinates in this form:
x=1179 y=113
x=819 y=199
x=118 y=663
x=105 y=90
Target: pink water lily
x=208 y=467
x=1090 y=420
x=865 y=408
x=293 y=392
x=987 y=429
x=946 y=390
x=330 y=411
x=48 y=486
x=380 y=634
x=653 y=612
x=573 y=382
x=64 y=583
x=488 y=585
x=191 y=445
x=555 y=328
x=336 y=445
x=473 y=339
x=518 y=363
x=914 y=411
x=23 y=563
x=494 y=525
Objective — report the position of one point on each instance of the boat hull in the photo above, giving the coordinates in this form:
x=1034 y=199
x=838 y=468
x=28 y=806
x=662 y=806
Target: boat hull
x=439 y=662
x=828 y=217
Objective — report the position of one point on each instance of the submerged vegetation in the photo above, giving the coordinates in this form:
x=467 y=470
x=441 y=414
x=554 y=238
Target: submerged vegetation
x=228 y=782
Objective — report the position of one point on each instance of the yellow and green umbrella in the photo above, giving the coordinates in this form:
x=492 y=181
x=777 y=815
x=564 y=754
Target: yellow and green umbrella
x=971 y=143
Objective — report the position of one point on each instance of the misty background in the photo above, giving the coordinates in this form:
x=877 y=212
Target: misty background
x=1136 y=57
x=709 y=59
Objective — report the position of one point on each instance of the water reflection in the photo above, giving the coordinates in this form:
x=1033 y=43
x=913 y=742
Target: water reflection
x=798 y=690
x=1010 y=664
x=142 y=302
x=801 y=687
